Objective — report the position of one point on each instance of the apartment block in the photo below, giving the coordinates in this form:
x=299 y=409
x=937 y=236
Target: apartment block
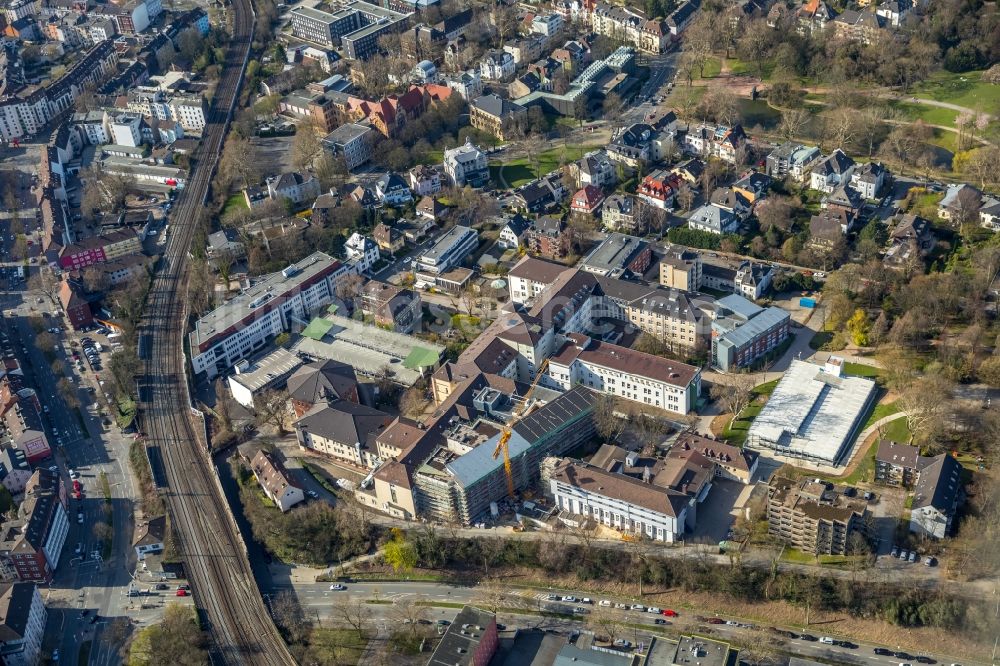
x=813 y=517
x=247 y=323
x=22 y=624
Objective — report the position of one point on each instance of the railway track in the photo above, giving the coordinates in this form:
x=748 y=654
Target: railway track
x=215 y=557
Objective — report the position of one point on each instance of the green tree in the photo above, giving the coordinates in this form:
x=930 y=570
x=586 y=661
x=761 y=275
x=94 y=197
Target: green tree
x=399 y=553
x=859 y=327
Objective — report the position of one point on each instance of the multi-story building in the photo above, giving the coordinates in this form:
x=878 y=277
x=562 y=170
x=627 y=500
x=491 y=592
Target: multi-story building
x=468 y=84
x=548 y=237
x=936 y=496
x=389 y=238
x=659 y=188
x=449 y=251
x=355 y=26
x=681 y=269
x=26 y=115
x=425 y=180
x=471 y=640
x=321 y=382
x=714 y=220
x=626 y=373
x=497 y=66
x=619 y=213
x=343 y=430
x=898 y=464
x=22 y=625
x=392 y=307
x=351 y=141
x=726 y=143
x=362 y=252
x=869 y=180
x=247 y=323
x=619 y=255
x=466 y=165
x=497 y=116
x=742 y=332
x=813 y=517
x=624 y=25
x=294 y=186
x=392 y=190
x=831 y=172
x=753 y=279
x=276 y=482
x=595 y=169
x=530 y=277
x=99 y=249
x=731 y=462
x=126 y=130
x=33 y=541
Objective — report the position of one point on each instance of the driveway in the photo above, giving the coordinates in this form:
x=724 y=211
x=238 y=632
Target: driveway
x=715 y=514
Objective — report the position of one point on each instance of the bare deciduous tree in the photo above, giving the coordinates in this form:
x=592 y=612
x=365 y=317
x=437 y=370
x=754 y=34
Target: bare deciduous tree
x=735 y=394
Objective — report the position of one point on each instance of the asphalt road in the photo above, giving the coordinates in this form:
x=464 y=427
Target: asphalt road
x=319 y=600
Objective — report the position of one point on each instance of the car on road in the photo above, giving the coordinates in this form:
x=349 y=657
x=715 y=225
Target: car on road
x=621 y=606
x=653 y=609
x=162 y=586
x=921 y=659
x=579 y=610
x=338 y=587
x=569 y=598
x=715 y=620
x=553 y=597
x=809 y=638
x=659 y=620
x=883 y=652
x=443 y=623
x=902 y=655
x=182 y=593
x=826 y=640
x=586 y=600
x=669 y=613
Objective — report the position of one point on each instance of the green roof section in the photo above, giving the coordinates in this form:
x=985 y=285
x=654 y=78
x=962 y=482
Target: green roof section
x=317 y=328
x=419 y=357
x=332 y=309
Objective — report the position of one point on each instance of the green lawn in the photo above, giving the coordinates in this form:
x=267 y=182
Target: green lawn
x=932 y=115
x=861 y=370
x=881 y=411
x=896 y=430
x=519 y=171
x=741 y=68
x=235 y=201
x=926 y=205
x=713 y=67
x=965 y=89
x=945 y=139
x=736 y=433
x=766 y=389
x=799 y=557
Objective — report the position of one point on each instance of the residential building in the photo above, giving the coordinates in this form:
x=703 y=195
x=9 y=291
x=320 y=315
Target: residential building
x=619 y=256
x=250 y=321
x=869 y=180
x=587 y=201
x=681 y=17
x=449 y=251
x=294 y=186
x=468 y=84
x=752 y=186
x=898 y=464
x=275 y=481
x=75 y=306
x=690 y=171
x=681 y=269
x=828 y=228
x=743 y=332
x=343 y=430
x=353 y=142
x=392 y=190
x=390 y=239
x=321 y=382
x=497 y=66
x=470 y=640
x=33 y=541
x=429 y=210
x=714 y=220
x=22 y=624
x=960 y=202
x=250 y=379
x=525 y=49
x=513 y=231
x=530 y=277
x=619 y=213
x=726 y=143
x=425 y=180
x=540 y=195
x=595 y=169
x=989 y=214
x=496 y=116
x=625 y=373
x=813 y=16
x=894 y=11
x=549 y=238
x=936 y=497
x=792 y=159
x=98 y=249
x=622 y=24
x=813 y=413
x=467 y=165
x=361 y=252
x=126 y=130
x=395 y=308
x=659 y=189
x=733 y=201
x=911 y=240
x=831 y=172
x=150 y=536
x=814 y=518
x=866 y=27
x=732 y=463
x=753 y=279
x=547 y=25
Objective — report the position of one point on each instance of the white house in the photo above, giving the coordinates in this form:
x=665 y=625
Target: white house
x=425 y=180
x=392 y=190
x=361 y=251
x=296 y=187
x=989 y=214
x=869 y=180
x=497 y=66
x=625 y=373
x=547 y=24
x=468 y=84
x=467 y=165
x=831 y=171
x=713 y=219
x=279 y=487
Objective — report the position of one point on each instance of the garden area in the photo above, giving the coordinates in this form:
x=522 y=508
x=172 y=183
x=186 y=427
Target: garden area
x=523 y=170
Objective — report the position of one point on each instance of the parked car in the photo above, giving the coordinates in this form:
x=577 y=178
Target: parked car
x=826 y=640
x=182 y=593
x=605 y=603
x=622 y=643
x=921 y=659
x=895 y=551
x=670 y=613
x=338 y=587
x=930 y=561
x=913 y=556
x=653 y=609
x=638 y=607
x=883 y=652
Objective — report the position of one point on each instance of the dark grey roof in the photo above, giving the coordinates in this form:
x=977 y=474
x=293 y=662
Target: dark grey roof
x=556 y=413
x=837 y=162
x=939 y=485
x=496 y=106
x=15 y=609
x=460 y=642
x=322 y=380
x=345 y=422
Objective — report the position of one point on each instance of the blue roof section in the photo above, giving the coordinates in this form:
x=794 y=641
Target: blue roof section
x=479 y=462
x=739 y=305
x=748 y=331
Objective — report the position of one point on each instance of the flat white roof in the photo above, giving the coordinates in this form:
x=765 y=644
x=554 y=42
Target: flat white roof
x=811 y=414
x=267 y=369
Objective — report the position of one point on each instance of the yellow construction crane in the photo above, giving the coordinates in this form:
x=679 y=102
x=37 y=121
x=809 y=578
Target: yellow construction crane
x=502 y=445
